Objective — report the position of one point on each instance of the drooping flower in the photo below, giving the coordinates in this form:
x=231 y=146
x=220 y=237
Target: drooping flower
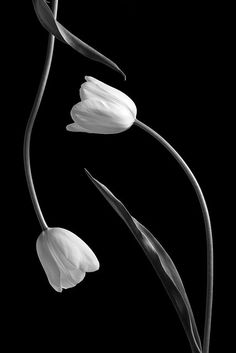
x=102 y=110
x=65 y=257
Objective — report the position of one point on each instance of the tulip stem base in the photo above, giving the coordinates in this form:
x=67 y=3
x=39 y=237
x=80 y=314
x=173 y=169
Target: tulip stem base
x=30 y=123
x=207 y=222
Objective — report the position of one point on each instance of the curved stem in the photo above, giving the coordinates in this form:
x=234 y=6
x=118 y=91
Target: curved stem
x=30 y=123
x=209 y=239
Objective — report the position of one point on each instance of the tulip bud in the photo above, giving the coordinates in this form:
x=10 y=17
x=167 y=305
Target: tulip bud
x=64 y=257
x=102 y=110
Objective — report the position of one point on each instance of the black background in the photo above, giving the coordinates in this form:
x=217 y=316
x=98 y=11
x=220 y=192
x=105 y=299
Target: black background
x=167 y=53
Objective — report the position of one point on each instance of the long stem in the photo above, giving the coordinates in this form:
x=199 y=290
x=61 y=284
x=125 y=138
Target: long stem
x=30 y=123
x=209 y=239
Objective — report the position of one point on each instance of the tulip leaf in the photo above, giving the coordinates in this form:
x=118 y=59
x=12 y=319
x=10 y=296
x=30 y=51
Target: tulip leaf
x=162 y=264
x=46 y=18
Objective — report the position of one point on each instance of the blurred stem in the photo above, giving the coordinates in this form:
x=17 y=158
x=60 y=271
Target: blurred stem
x=207 y=222
x=30 y=123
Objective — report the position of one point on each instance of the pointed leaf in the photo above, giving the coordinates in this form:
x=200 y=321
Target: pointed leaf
x=46 y=18
x=162 y=264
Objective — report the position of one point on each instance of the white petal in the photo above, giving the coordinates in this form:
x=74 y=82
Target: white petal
x=104 y=117
x=72 y=251
x=67 y=281
x=76 y=128
x=49 y=265
x=90 y=90
x=95 y=86
x=70 y=279
x=78 y=275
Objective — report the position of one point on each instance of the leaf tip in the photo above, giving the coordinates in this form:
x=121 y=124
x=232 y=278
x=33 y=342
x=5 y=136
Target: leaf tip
x=88 y=174
x=95 y=182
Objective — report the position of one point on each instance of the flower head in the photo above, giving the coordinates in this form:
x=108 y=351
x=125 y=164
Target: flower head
x=64 y=257
x=102 y=110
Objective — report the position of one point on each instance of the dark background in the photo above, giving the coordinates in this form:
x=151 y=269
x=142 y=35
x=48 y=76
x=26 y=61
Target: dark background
x=167 y=53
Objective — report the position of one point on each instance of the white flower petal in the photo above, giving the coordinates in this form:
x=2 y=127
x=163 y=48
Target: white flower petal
x=105 y=90
x=76 y=128
x=100 y=116
x=70 y=279
x=77 y=275
x=49 y=265
x=72 y=251
x=67 y=281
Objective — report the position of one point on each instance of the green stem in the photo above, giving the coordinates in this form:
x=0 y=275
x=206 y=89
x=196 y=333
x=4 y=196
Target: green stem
x=207 y=222
x=30 y=123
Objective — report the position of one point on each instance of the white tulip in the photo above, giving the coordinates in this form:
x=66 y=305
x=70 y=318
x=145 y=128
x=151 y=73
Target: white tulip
x=64 y=257
x=102 y=110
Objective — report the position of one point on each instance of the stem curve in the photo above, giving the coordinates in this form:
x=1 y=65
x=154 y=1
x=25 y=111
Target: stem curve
x=207 y=222
x=30 y=124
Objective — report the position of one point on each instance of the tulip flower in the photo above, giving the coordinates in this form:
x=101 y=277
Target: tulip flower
x=65 y=257
x=102 y=110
